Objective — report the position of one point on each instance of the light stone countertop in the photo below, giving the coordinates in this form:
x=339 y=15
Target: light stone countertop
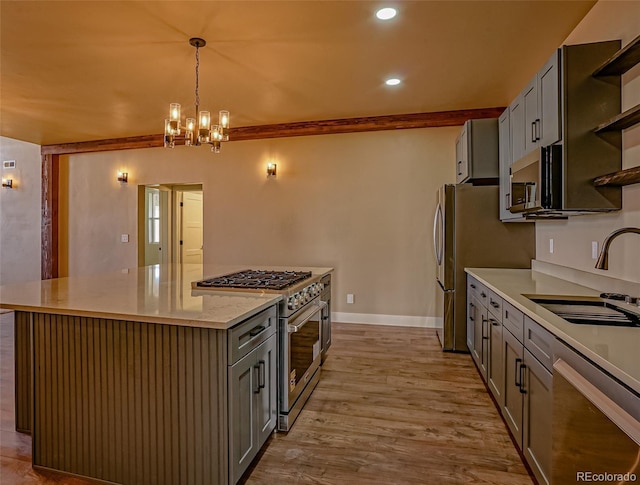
x=154 y=294
x=615 y=349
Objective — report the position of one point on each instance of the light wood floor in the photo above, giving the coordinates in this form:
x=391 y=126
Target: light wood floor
x=390 y=408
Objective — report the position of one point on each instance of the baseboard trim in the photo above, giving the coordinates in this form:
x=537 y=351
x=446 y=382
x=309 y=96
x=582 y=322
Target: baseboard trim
x=376 y=319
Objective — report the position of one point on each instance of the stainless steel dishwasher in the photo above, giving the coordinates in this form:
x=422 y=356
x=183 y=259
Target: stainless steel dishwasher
x=596 y=423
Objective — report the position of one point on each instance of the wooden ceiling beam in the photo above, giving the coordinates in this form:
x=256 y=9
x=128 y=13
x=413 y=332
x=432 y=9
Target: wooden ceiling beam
x=284 y=130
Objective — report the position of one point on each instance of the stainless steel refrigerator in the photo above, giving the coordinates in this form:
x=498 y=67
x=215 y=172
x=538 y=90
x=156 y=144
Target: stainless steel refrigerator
x=467 y=233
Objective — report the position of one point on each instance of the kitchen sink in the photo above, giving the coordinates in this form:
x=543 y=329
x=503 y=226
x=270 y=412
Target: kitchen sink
x=588 y=311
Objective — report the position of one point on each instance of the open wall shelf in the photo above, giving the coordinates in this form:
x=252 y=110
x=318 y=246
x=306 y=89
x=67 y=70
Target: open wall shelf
x=622 y=121
x=621 y=61
x=621 y=178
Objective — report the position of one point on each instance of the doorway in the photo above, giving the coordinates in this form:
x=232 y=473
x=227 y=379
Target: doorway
x=170 y=224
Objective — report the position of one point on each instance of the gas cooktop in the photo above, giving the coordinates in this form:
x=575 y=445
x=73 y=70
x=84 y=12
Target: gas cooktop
x=258 y=279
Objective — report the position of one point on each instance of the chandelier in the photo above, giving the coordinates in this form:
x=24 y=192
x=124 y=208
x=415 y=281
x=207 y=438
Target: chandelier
x=202 y=132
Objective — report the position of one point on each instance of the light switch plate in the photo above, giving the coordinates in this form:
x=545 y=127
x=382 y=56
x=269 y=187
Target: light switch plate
x=124 y=238
x=9 y=164
x=594 y=249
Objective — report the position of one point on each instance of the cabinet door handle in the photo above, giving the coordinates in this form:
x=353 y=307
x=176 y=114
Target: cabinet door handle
x=533 y=132
x=472 y=286
x=460 y=168
x=494 y=322
x=494 y=304
x=506 y=314
x=522 y=389
x=517 y=374
x=538 y=130
x=471 y=307
x=484 y=320
x=483 y=295
x=262 y=380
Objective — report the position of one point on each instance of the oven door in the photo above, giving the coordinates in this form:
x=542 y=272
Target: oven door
x=301 y=357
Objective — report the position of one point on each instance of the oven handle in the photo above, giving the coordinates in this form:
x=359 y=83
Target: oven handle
x=316 y=307
x=610 y=409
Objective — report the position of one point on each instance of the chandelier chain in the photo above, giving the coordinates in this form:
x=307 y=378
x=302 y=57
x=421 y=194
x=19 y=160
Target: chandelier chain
x=197 y=80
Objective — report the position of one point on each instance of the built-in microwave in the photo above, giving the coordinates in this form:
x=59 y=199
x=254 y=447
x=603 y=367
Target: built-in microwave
x=536 y=181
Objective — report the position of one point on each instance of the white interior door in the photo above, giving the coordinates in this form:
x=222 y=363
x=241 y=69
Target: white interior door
x=191 y=227
x=152 y=233
x=156 y=233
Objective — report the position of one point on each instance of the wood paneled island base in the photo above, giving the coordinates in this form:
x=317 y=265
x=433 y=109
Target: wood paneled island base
x=129 y=402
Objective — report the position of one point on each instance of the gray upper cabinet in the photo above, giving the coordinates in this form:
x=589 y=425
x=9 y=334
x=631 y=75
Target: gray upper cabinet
x=539 y=103
x=531 y=119
x=504 y=156
x=462 y=155
x=477 y=151
x=548 y=129
x=561 y=106
x=516 y=128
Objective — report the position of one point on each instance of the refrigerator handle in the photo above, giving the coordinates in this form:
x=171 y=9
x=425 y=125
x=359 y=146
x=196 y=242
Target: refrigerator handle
x=437 y=246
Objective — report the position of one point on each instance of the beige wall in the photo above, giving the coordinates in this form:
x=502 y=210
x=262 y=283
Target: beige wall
x=362 y=203
x=20 y=213
x=572 y=239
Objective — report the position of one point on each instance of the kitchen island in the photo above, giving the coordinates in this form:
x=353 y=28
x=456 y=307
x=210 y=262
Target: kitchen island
x=124 y=377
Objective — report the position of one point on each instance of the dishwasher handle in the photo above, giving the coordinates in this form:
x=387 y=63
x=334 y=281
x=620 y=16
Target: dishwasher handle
x=621 y=418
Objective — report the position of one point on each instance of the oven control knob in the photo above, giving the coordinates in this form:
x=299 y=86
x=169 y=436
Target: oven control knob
x=290 y=303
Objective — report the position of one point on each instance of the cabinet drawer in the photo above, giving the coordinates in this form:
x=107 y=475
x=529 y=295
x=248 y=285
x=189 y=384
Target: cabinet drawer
x=513 y=319
x=473 y=287
x=494 y=304
x=246 y=336
x=537 y=340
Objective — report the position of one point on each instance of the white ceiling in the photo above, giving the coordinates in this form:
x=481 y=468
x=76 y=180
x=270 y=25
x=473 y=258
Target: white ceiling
x=86 y=70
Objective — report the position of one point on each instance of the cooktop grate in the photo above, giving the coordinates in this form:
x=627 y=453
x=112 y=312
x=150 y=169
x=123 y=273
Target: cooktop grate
x=257 y=279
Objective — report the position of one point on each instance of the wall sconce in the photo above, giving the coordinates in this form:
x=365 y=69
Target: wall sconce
x=123 y=177
x=7 y=183
x=271 y=169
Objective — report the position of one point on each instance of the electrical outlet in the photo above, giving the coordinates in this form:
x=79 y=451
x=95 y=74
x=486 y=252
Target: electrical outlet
x=124 y=238
x=349 y=298
x=551 y=246
x=594 y=249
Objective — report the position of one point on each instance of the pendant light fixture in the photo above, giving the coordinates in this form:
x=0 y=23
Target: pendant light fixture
x=199 y=130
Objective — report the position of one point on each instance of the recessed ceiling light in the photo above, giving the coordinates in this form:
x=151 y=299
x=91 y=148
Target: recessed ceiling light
x=394 y=81
x=386 y=13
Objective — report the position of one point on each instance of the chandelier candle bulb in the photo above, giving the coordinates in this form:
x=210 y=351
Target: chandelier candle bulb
x=216 y=138
x=204 y=127
x=189 y=131
x=174 y=117
x=169 y=141
x=224 y=124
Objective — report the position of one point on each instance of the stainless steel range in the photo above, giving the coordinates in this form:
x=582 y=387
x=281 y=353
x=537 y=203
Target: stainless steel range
x=302 y=340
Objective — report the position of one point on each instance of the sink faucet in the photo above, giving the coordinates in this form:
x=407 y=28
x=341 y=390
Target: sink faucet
x=603 y=258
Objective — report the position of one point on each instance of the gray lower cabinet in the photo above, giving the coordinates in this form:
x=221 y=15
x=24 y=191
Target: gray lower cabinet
x=252 y=405
x=513 y=354
x=536 y=420
x=512 y=408
x=495 y=365
x=480 y=351
x=528 y=396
